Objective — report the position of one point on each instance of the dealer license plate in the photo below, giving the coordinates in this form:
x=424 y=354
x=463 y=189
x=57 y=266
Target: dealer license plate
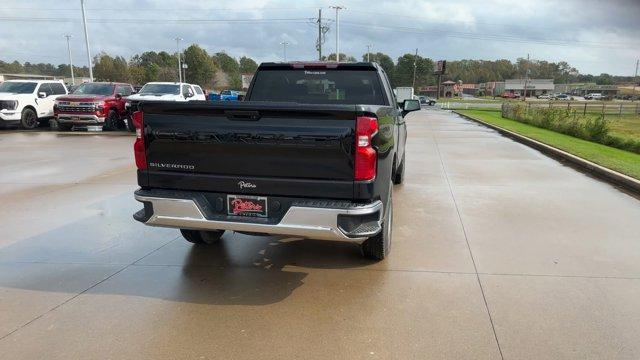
x=241 y=205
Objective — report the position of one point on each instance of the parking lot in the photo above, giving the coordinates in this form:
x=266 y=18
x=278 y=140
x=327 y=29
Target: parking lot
x=498 y=252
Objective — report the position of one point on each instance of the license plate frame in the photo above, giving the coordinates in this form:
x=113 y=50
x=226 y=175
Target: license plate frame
x=247 y=206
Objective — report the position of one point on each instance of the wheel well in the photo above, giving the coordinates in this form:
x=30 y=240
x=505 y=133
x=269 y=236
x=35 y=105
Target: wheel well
x=30 y=107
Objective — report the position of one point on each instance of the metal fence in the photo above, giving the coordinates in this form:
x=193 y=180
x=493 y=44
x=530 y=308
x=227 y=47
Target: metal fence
x=468 y=105
x=603 y=108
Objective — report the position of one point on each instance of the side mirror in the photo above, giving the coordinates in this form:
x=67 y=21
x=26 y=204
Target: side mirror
x=410 y=105
x=42 y=94
x=118 y=96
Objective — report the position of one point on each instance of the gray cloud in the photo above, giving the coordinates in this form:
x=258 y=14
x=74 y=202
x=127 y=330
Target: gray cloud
x=594 y=36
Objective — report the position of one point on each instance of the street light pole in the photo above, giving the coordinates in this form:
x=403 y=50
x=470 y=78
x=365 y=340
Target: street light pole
x=368 y=53
x=319 y=34
x=635 y=80
x=284 y=50
x=415 y=67
x=338 y=8
x=179 y=66
x=73 y=79
x=86 y=40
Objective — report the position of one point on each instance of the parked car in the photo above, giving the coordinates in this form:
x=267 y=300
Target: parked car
x=28 y=103
x=93 y=103
x=312 y=152
x=229 y=95
x=594 y=96
x=563 y=97
x=425 y=100
x=510 y=95
x=544 y=97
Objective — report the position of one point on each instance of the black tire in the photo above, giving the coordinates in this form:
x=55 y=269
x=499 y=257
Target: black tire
x=202 y=237
x=377 y=247
x=130 y=126
x=29 y=119
x=111 y=122
x=64 y=127
x=398 y=177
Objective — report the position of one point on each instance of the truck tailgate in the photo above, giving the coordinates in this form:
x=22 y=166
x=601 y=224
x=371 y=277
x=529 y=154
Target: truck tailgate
x=284 y=146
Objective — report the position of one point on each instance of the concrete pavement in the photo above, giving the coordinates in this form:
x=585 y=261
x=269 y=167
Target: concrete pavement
x=498 y=252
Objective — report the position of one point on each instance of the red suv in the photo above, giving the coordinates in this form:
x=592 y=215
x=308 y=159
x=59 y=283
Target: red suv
x=96 y=103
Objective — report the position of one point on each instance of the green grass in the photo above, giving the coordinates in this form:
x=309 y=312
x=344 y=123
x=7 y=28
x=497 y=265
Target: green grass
x=625 y=126
x=622 y=161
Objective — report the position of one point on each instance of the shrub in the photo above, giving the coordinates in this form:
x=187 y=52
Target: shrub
x=596 y=128
x=566 y=121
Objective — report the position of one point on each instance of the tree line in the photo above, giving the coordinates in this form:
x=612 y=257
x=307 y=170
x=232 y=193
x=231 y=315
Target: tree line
x=221 y=71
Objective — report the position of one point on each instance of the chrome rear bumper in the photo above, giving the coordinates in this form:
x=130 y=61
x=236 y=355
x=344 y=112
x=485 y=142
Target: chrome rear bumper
x=307 y=222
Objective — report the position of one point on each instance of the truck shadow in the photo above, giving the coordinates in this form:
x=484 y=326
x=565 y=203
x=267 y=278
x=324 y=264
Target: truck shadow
x=156 y=263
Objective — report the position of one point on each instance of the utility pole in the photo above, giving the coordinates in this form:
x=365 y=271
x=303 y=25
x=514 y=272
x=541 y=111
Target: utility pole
x=319 y=34
x=526 y=79
x=73 y=79
x=86 y=40
x=338 y=8
x=179 y=63
x=415 y=65
x=368 y=52
x=635 y=80
x=284 y=49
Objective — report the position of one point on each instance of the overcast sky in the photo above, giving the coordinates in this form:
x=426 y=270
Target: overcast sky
x=593 y=36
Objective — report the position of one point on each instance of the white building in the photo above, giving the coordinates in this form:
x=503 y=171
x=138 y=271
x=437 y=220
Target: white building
x=5 y=77
x=534 y=86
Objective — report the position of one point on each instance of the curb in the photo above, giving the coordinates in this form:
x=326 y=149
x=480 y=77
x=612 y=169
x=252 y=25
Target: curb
x=611 y=176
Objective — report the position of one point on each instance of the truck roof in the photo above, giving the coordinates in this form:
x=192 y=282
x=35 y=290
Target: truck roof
x=319 y=64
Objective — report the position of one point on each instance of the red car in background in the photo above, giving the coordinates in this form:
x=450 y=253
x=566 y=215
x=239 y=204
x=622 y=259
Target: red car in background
x=510 y=95
x=96 y=103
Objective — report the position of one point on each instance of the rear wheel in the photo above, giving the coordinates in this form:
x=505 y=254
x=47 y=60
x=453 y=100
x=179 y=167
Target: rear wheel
x=377 y=247
x=202 y=237
x=398 y=177
x=29 y=119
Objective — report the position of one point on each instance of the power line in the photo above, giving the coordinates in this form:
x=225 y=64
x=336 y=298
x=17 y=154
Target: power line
x=239 y=9
x=497 y=37
x=155 y=20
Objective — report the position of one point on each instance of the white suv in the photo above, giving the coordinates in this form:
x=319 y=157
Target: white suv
x=28 y=102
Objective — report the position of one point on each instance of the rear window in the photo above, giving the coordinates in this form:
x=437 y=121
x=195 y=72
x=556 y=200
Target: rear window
x=318 y=86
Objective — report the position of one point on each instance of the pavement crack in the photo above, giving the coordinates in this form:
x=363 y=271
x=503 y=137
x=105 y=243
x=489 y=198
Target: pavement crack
x=464 y=231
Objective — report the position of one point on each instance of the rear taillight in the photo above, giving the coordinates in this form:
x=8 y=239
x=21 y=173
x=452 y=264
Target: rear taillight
x=366 y=156
x=138 y=146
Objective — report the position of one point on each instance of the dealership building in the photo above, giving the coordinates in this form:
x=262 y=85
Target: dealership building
x=534 y=87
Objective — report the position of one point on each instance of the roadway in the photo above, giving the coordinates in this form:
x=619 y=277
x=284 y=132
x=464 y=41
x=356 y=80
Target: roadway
x=498 y=252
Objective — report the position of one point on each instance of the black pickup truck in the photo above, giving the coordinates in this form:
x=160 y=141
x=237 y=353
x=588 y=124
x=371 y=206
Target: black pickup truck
x=313 y=152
